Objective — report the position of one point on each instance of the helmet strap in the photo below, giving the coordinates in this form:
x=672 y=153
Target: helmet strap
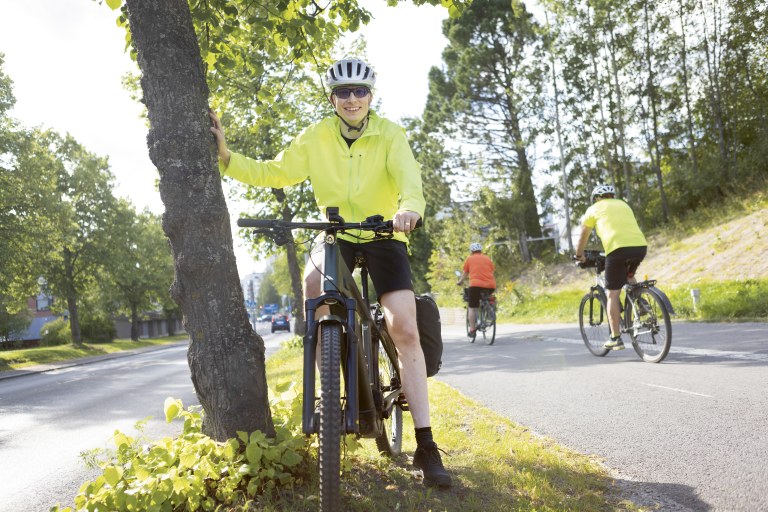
x=351 y=127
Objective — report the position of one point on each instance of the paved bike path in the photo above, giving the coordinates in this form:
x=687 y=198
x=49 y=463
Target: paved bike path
x=687 y=434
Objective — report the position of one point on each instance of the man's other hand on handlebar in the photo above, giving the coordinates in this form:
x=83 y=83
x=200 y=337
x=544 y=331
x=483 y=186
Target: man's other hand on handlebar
x=405 y=221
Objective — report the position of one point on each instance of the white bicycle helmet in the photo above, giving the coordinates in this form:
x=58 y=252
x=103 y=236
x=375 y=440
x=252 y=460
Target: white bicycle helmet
x=602 y=190
x=350 y=72
x=475 y=247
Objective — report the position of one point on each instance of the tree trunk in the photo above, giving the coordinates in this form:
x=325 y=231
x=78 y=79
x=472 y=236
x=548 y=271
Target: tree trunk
x=523 y=180
x=294 y=270
x=608 y=165
x=566 y=205
x=134 y=323
x=74 y=316
x=620 y=112
x=714 y=97
x=226 y=357
x=653 y=146
x=687 y=94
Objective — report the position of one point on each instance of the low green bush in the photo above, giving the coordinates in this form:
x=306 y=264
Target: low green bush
x=194 y=472
x=55 y=332
x=97 y=329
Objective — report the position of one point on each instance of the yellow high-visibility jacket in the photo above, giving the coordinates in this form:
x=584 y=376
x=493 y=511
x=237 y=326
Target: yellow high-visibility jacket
x=376 y=175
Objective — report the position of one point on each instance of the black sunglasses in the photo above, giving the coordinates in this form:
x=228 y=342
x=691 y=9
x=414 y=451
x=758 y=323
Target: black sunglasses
x=343 y=93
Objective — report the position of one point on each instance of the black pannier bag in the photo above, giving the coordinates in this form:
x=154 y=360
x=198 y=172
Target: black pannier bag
x=430 y=335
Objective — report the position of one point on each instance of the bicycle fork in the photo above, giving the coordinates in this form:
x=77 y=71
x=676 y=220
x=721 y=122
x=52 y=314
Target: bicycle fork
x=357 y=394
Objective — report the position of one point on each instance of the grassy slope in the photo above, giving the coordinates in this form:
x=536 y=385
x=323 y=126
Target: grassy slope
x=710 y=251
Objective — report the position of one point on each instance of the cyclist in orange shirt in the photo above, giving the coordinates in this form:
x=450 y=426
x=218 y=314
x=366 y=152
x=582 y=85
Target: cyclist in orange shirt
x=479 y=268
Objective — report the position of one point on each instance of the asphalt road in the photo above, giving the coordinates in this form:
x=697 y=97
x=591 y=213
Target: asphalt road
x=689 y=433
x=47 y=419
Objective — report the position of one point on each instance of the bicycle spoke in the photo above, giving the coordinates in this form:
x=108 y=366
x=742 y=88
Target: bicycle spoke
x=651 y=330
x=593 y=323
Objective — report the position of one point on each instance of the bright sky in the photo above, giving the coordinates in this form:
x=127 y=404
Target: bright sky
x=66 y=59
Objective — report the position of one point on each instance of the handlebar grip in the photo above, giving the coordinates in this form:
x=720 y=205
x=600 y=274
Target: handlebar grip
x=256 y=223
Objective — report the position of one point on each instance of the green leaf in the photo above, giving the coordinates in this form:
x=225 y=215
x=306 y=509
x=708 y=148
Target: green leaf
x=290 y=458
x=171 y=407
x=113 y=474
x=253 y=453
x=114 y=4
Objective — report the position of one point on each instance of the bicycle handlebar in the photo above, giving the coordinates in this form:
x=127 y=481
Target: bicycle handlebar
x=592 y=259
x=374 y=223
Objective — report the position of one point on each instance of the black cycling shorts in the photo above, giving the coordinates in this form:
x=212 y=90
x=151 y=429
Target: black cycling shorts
x=387 y=264
x=622 y=264
x=473 y=295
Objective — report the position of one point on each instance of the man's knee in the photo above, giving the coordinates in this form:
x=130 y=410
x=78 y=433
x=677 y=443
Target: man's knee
x=312 y=283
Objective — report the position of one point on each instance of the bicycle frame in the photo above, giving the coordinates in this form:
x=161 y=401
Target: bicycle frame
x=341 y=294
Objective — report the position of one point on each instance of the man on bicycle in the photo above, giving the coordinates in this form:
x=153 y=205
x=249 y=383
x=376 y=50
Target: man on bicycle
x=363 y=164
x=624 y=244
x=479 y=268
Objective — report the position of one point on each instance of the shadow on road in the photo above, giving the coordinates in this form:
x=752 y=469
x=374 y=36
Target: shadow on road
x=658 y=496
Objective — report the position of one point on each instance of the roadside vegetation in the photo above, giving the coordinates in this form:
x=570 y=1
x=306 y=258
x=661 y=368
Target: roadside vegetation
x=496 y=464
x=718 y=251
x=23 y=358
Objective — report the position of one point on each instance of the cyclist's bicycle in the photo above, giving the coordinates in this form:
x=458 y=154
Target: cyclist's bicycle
x=360 y=386
x=644 y=315
x=486 y=317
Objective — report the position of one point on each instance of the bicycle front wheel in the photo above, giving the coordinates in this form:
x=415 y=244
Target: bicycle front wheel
x=593 y=323
x=390 y=442
x=488 y=321
x=651 y=330
x=329 y=458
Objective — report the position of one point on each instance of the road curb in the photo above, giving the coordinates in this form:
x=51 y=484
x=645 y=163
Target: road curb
x=42 y=368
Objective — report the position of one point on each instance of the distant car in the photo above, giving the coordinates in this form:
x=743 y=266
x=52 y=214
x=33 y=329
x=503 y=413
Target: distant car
x=264 y=318
x=280 y=323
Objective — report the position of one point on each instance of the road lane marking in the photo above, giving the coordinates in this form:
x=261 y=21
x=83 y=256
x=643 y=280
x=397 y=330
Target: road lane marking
x=678 y=390
x=676 y=349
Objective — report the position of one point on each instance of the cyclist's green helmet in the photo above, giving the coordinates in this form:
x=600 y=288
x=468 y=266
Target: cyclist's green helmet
x=603 y=190
x=350 y=71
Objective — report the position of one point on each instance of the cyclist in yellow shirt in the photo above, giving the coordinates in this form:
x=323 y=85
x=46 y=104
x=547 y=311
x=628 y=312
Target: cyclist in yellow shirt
x=624 y=245
x=363 y=164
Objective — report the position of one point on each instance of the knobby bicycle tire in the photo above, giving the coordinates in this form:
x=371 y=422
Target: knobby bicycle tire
x=651 y=332
x=593 y=323
x=390 y=442
x=330 y=433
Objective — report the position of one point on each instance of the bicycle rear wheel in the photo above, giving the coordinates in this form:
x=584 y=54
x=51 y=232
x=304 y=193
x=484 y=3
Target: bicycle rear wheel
x=390 y=441
x=470 y=334
x=651 y=332
x=330 y=417
x=593 y=323
x=488 y=321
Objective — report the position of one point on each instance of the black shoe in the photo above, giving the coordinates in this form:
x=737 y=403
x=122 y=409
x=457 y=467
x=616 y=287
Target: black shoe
x=427 y=459
x=614 y=344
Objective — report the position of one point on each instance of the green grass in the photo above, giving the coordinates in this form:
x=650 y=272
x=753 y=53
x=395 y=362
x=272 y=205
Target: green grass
x=495 y=464
x=721 y=301
x=22 y=358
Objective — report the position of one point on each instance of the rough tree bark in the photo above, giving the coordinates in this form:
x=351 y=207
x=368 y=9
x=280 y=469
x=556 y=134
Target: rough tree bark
x=226 y=357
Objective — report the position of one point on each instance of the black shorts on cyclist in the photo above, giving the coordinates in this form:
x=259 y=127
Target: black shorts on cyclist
x=388 y=264
x=474 y=293
x=621 y=265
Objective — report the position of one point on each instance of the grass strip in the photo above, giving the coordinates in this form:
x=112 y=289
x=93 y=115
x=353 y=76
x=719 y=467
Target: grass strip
x=496 y=464
x=23 y=358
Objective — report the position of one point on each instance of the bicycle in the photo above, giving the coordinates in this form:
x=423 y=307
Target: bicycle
x=486 y=317
x=644 y=315
x=360 y=386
